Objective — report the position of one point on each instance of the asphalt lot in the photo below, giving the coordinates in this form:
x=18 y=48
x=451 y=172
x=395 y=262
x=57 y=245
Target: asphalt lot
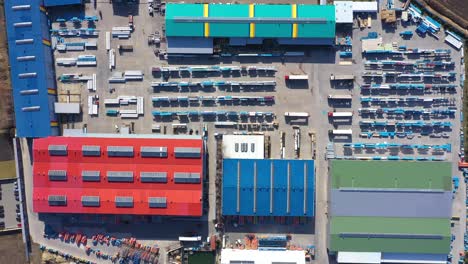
x=319 y=63
x=8 y=201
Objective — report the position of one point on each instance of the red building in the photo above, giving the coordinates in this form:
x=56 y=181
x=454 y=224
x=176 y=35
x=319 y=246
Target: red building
x=118 y=174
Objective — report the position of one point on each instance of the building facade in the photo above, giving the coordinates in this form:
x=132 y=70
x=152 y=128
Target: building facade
x=264 y=187
x=32 y=71
x=119 y=174
x=390 y=211
x=191 y=28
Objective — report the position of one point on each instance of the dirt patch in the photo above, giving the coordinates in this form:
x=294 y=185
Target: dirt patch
x=6 y=104
x=12 y=250
x=456 y=10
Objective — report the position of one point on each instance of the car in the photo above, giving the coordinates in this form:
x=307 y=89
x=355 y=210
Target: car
x=2 y=215
x=18 y=218
x=17 y=210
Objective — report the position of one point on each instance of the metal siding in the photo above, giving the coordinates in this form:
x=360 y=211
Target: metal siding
x=390 y=225
x=388 y=204
x=326 y=30
x=189 y=45
x=297 y=189
x=306 y=41
x=273 y=30
x=48 y=3
x=311 y=188
x=229 y=196
x=391 y=174
x=185 y=199
x=263 y=187
x=174 y=29
x=35 y=123
x=229 y=29
x=280 y=186
x=278 y=30
x=246 y=187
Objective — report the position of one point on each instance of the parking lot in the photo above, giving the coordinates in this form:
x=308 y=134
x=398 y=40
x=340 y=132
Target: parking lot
x=9 y=206
x=203 y=100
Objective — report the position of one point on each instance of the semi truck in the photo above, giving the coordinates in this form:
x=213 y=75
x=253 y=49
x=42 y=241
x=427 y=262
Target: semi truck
x=340 y=132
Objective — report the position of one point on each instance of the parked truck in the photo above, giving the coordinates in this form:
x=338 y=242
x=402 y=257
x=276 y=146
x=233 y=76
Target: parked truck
x=125 y=48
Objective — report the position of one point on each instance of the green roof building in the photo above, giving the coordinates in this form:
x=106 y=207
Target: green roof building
x=390 y=210
x=198 y=24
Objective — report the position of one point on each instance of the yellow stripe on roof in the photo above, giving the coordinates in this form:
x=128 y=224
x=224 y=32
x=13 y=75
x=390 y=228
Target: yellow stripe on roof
x=252 y=25
x=294 y=15
x=206 y=9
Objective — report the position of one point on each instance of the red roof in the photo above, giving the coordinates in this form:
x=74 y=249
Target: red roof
x=182 y=199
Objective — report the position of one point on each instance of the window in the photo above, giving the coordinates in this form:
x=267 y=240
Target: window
x=182 y=152
x=120 y=151
x=187 y=177
x=153 y=177
x=120 y=176
x=157 y=202
x=57 y=200
x=91 y=176
x=124 y=201
x=57 y=175
x=58 y=150
x=90 y=201
x=91 y=151
x=153 y=152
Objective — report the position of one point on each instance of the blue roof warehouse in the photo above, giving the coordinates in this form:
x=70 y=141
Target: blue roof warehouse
x=32 y=71
x=268 y=187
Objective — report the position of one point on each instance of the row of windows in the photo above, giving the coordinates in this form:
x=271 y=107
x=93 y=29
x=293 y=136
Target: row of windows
x=128 y=176
x=95 y=201
x=127 y=151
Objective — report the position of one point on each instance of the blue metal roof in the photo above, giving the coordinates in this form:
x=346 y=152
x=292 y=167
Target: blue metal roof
x=48 y=3
x=268 y=187
x=32 y=72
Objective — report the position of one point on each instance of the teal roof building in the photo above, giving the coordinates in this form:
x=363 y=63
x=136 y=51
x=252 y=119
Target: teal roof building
x=242 y=24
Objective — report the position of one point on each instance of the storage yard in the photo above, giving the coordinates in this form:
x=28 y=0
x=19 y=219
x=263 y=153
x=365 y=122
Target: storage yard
x=276 y=109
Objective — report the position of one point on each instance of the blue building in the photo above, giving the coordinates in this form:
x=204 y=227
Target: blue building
x=32 y=72
x=48 y=3
x=268 y=187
